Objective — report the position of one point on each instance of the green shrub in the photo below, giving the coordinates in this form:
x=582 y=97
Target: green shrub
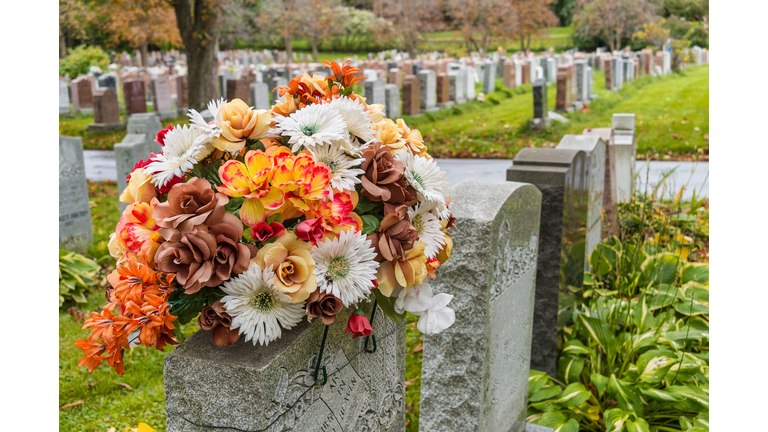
x=81 y=59
x=77 y=276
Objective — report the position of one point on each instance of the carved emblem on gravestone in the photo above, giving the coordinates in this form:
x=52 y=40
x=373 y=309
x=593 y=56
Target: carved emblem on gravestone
x=510 y=262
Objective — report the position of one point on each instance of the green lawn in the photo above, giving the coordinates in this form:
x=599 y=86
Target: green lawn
x=555 y=37
x=669 y=111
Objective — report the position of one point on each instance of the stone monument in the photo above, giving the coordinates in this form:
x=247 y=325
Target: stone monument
x=625 y=149
x=75 y=231
x=560 y=176
x=475 y=373
x=106 y=111
x=135 y=94
x=541 y=118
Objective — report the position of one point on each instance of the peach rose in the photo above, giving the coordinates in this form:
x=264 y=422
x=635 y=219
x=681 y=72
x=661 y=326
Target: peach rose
x=140 y=188
x=407 y=271
x=293 y=265
x=240 y=122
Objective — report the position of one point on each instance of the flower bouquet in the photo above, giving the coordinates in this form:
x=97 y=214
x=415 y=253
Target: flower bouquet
x=259 y=218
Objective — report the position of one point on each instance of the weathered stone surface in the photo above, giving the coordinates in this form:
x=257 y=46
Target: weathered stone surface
x=238 y=89
x=582 y=81
x=250 y=387
x=594 y=147
x=75 y=232
x=563 y=93
x=63 y=98
x=428 y=83
x=475 y=373
x=530 y=427
x=374 y=92
x=392 y=105
x=508 y=71
x=560 y=176
x=82 y=93
x=607 y=67
x=135 y=94
x=610 y=220
x=105 y=107
x=489 y=76
x=411 y=95
x=540 y=106
x=260 y=95
x=443 y=88
x=148 y=124
x=132 y=149
x=161 y=97
x=625 y=149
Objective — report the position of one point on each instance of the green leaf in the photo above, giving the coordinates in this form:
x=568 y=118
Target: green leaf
x=575 y=347
x=625 y=395
x=545 y=393
x=638 y=425
x=696 y=272
x=659 y=395
x=600 y=382
x=370 y=224
x=655 y=368
x=574 y=395
x=602 y=259
x=387 y=304
x=615 y=419
x=691 y=393
x=569 y=368
x=570 y=426
x=598 y=331
x=536 y=381
x=364 y=205
x=660 y=268
x=557 y=421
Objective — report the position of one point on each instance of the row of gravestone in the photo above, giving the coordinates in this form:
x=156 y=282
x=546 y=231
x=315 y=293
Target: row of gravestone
x=518 y=244
x=100 y=96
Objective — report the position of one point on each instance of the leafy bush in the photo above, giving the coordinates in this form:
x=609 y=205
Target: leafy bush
x=77 y=275
x=635 y=345
x=81 y=59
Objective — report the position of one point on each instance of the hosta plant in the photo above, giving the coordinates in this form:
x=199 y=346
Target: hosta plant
x=635 y=351
x=77 y=275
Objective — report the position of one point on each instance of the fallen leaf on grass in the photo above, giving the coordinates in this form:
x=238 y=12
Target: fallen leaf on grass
x=706 y=137
x=76 y=314
x=676 y=136
x=418 y=348
x=411 y=381
x=124 y=385
x=70 y=405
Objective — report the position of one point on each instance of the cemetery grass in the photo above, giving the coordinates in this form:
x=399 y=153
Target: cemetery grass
x=557 y=37
x=672 y=119
x=109 y=404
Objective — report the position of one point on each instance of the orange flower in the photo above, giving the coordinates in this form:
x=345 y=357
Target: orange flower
x=93 y=351
x=252 y=181
x=336 y=214
x=131 y=280
x=136 y=226
x=343 y=73
x=301 y=179
x=153 y=318
x=413 y=140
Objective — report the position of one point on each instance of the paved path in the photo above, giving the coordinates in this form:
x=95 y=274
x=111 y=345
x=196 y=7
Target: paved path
x=100 y=166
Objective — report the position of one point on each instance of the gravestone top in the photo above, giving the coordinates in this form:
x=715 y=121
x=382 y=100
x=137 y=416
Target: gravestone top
x=105 y=106
x=544 y=157
x=624 y=121
x=75 y=231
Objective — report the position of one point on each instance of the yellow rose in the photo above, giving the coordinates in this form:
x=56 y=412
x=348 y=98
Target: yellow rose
x=140 y=188
x=285 y=108
x=389 y=135
x=413 y=140
x=445 y=252
x=240 y=122
x=117 y=250
x=406 y=272
x=319 y=82
x=293 y=266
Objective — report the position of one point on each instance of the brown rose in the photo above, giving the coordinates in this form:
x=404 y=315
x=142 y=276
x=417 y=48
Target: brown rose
x=216 y=318
x=205 y=257
x=395 y=235
x=383 y=179
x=189 y=204
x=323 y=305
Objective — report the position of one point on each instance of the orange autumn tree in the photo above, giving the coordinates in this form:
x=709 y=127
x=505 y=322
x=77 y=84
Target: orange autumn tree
x=139 y=23
x=532 y=17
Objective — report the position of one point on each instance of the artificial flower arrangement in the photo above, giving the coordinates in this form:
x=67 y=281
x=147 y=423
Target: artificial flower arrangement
x=259 y=218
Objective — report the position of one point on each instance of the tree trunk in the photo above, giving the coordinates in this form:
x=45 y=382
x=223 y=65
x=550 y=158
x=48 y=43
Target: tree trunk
x=62 y=45
x=145 y=54
x=314 y=48
x=202 y=64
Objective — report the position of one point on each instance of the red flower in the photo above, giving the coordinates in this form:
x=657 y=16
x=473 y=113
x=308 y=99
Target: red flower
x=160 y=139
x=375 y=284
x=358 y=325
x=167 y=188
x=311 y=230
x=263 y=231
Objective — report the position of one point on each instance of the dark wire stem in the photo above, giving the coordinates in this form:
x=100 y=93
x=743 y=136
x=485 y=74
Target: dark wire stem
x=373 y=314
x=320 y=359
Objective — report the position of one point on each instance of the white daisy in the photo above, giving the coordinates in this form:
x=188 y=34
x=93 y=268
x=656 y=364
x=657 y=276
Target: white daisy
x=257 y=305
x=429 y=181
x=428 y=226
x=346 y=266
x=207 y=132
x=312 y=125
x=357 y=119
x=344 y=176
x=181 y=152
